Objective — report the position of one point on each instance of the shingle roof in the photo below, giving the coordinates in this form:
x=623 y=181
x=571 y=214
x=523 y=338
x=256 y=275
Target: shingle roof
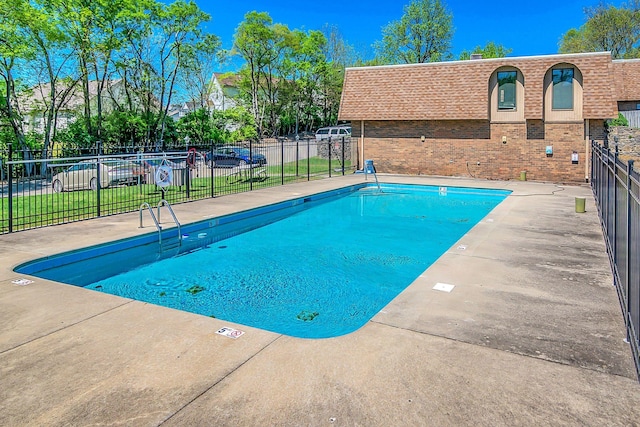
x=38 y=96
x=459 y=90
x=627 y=78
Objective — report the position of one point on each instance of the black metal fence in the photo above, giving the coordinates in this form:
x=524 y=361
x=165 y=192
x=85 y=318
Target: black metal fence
x=616 y=187
x=38 y=190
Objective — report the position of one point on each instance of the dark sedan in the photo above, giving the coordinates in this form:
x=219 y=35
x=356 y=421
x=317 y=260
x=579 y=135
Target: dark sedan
x=235 y=156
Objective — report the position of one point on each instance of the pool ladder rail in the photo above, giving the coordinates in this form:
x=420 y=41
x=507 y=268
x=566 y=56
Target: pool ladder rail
x=156 y=221
x=370 y=169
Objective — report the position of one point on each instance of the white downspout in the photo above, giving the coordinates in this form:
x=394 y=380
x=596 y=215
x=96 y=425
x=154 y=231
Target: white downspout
x=362 y=144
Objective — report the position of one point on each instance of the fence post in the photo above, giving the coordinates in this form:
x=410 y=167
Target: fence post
x=213 y=177
x=329 y=154
x=297 y=156
x=308 y=158
x=614 y=247
x=605 y=199
x=343 y=156
x=593 y=167
x=10 y=186
x=99 y=177
x=281 y=160
x=250 y=164
x=628 y=308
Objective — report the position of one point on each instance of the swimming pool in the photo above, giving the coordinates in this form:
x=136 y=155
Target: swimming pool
x=314 y=267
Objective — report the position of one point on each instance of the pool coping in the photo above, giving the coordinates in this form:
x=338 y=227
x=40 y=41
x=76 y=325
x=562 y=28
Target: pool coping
x=531 y=333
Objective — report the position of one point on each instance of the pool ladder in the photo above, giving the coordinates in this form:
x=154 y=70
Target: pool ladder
x=156 y=221
x=369 y=169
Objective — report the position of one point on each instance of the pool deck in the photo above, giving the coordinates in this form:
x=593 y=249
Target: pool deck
x=532 y=334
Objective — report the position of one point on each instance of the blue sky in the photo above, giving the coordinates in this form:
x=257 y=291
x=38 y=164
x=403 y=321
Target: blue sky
x=528 y=27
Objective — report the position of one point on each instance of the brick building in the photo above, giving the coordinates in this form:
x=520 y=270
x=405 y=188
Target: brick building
x=488 y=118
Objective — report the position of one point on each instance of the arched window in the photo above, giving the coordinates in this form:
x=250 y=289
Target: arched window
x=563 y=93
x=507 y=90
x=506 y=94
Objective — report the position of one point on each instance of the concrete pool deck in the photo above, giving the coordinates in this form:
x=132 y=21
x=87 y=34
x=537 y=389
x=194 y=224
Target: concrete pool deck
x=532 y=334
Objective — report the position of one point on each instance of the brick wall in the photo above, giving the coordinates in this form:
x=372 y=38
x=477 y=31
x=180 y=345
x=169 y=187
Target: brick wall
x=475 y=148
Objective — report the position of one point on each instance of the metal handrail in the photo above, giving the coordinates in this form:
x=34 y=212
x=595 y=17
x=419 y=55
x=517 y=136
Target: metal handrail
x=158 y=226
x=163 y=202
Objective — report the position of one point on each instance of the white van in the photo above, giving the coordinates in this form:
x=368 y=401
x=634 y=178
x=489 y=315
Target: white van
x=333 y=132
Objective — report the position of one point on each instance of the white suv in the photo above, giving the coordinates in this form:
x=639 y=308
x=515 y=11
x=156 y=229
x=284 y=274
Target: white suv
x=333 y=132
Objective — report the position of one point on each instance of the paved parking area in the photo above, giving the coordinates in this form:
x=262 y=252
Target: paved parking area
x=532 y=334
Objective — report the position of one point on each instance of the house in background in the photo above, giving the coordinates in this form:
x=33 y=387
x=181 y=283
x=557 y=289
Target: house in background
x=34 y=102
x=488 y=118
x=177 y=111
x=223 y=93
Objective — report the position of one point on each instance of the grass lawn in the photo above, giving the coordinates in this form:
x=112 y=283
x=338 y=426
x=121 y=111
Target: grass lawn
x=48 y=208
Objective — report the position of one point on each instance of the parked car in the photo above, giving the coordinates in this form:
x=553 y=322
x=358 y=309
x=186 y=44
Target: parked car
x=148 y=164
x=81 y=176
x=125 y=172
x=84 y=175
x=333 y=132
x=234 y=156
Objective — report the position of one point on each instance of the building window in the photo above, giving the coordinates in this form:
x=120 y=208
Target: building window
x=506 y=90
x=562 y=97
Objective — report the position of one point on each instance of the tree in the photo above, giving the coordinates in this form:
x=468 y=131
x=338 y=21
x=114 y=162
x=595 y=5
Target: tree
x=13 y=51
x=288 y=81
x=234 y=125
x=162 y=43
x=302 y=65
x=423 y=34
x=200 y=62
x=198 y=126
x=179 y=25
x=336 y=49
x=607 y=28
x=51 y=65
x=490 y=50
x=263 y=45
x=252 y=42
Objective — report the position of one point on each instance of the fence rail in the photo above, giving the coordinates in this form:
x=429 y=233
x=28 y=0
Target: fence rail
x=36 y=191
x=616 y=187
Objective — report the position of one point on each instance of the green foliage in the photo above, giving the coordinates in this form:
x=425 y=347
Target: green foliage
x=619 y=121
x=80 y=48
x=287 y=81
x=490 y=50
x=234 y=125
x=607 y=28
x=198 y=127
x=7 y=136
x=119 y=65
x=74 y=140
x=222 y=127
x=422 y=34
x=122 y=130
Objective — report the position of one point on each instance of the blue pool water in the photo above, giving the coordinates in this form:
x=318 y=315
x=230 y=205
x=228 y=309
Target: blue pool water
x=315 y=267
